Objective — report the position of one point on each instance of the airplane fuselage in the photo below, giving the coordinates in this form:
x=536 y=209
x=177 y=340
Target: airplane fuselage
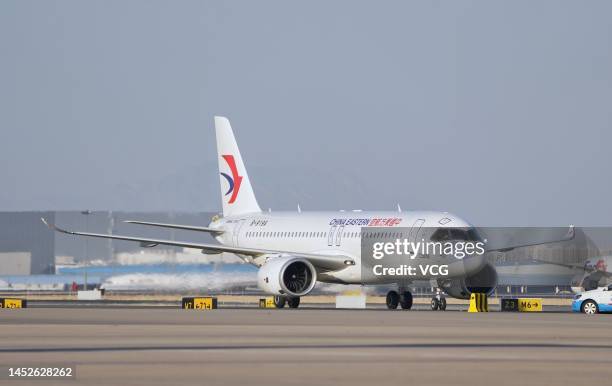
x=330 y=233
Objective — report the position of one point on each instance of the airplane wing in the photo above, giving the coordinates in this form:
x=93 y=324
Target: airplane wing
x=582 y=265
x=504 y=241
x=323 y=262
x=178 y=226
x=566 y=265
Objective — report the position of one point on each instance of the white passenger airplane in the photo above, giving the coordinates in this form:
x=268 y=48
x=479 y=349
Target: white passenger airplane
x=294 y=250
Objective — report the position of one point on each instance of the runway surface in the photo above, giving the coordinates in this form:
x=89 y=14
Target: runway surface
x=159 y=346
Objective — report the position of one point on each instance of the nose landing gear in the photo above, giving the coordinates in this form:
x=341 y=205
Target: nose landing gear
x=438 y=302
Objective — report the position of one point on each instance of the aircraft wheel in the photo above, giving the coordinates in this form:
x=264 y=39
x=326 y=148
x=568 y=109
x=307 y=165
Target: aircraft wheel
x=293 y=302
x=405 y=300
x=442 y=305
x=279 y=301
x=392 y=300
x=435 y=304
x=589 y=307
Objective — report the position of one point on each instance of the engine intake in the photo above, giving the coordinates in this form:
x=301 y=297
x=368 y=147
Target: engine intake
x=291 y=276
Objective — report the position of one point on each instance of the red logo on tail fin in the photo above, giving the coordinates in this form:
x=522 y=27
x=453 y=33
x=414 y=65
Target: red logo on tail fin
x=234 y=181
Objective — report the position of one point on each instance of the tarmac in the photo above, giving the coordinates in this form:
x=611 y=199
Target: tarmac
x=162 y=346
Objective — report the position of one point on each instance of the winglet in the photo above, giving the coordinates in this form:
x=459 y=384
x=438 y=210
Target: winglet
x=54 y=227
x=45 y=222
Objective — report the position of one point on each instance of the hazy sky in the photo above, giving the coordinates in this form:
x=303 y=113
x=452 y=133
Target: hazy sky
x=498 y=111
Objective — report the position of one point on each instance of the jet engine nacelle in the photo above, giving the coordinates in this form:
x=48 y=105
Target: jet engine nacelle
x=484 y=281
x=292 y=276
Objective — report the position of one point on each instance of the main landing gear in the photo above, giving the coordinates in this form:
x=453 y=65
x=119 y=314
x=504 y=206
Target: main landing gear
x=403 y=299
x=292 y=302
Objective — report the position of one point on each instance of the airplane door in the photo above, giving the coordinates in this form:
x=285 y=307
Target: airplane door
x=414 y=231
x=339 y=235
x=330 y=236
x=236 y=231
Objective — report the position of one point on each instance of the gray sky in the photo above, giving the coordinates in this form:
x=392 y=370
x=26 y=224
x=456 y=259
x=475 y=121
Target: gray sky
x=498 y=111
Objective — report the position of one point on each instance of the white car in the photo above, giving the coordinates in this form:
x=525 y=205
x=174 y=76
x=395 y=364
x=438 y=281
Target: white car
x=594 y=301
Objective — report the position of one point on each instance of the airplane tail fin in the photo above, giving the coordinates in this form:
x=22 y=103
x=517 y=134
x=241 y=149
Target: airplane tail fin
x=236 y=191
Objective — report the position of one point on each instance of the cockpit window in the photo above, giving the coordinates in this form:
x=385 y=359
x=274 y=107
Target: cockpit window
x=441 y=234
x=458 y=234
x=455 y=234
x=473 y=235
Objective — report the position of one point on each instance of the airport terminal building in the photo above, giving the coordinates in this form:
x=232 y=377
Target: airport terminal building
x=26 y=245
